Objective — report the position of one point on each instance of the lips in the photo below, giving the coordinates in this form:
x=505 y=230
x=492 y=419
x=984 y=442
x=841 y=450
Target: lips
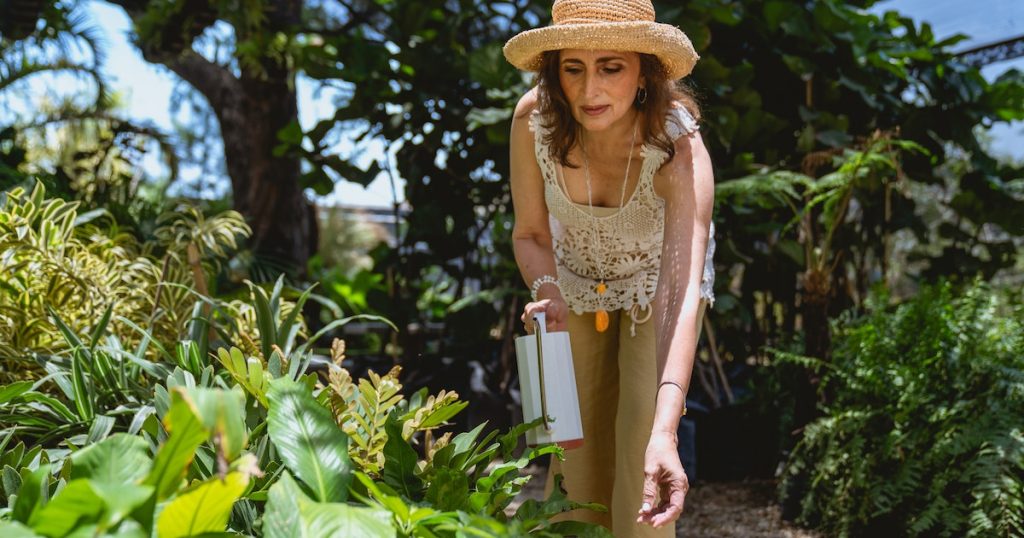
x=594 y=110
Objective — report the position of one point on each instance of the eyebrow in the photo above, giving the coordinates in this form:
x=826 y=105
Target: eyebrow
x=603 y=59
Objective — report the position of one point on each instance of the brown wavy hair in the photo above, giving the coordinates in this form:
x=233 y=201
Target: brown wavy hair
x=563 y=130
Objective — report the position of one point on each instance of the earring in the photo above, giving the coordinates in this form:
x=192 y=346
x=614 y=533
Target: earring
x=641 y=95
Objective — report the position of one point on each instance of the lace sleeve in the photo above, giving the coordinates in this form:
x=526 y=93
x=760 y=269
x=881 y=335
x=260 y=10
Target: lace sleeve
x=680 y=122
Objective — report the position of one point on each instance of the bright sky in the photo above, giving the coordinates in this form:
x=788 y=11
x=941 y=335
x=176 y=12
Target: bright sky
x=146 y=88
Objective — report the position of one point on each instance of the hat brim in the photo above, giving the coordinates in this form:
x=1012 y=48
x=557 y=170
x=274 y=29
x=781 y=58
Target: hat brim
x=668 y=43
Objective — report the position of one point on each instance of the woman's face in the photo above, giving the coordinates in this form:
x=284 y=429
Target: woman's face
x=600 y=85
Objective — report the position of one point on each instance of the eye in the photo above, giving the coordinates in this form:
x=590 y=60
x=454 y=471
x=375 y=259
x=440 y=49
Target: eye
x=572 y=70
x=612 y=70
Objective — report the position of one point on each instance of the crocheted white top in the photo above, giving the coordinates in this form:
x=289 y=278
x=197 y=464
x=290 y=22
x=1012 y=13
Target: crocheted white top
x=630 y=237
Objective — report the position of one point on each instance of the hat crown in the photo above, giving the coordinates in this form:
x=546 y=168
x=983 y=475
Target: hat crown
x=599 y=11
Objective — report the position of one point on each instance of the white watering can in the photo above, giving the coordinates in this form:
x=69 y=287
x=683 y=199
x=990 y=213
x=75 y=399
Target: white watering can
x=548 y=386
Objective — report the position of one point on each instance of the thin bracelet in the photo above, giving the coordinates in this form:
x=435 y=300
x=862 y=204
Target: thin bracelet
x=678 y=386
x=541 y=280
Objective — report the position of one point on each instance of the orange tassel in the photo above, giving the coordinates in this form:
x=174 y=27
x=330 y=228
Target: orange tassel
x=601 y=320
x=601 y=288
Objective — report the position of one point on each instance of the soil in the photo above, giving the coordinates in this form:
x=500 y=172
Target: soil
x=744 y=509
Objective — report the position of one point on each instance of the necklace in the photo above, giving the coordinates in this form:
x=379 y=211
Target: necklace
x=601 y=316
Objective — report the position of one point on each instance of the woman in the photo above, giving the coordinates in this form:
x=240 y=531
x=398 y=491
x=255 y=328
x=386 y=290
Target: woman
x=613 y=192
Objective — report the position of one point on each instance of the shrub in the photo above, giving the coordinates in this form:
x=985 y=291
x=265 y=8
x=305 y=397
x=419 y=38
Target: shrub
x=922 y=432
x=80 y=265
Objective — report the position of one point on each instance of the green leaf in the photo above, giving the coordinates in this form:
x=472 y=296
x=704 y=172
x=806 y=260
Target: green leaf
x=291 y=513
x=264 y=320
x=35 y=486
x=488 y=67
x=101 y=427
x=247 y=372
x=76 y=504
x=13 y=390
x=186 y=433
x=479 y=117
x=282 y=519
x=118 y=459
x=400 y=462
x=291 y=134
x=223 y=415
x=441 y=415
x=309 y=441
x=203 y=508
x=11 y=481
x=101 y=327
x=82 y=392
x=13 y=529
x=120 y=500
x=448 y=490
x=290 y=325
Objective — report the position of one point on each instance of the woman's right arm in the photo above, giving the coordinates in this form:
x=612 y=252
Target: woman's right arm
x=531 y=235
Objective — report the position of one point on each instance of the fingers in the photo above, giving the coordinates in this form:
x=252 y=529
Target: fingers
x=673 y=495
x=556 y=314
x=670 y=510
x=533 y=308
x=650 y=489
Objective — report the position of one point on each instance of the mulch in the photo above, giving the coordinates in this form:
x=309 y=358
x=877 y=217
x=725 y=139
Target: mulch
x=746 y=509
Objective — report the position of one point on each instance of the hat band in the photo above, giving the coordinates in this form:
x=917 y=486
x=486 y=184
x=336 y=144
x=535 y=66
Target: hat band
x=586 y=20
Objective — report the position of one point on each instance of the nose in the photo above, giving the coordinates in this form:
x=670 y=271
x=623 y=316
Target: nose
x=591 y=85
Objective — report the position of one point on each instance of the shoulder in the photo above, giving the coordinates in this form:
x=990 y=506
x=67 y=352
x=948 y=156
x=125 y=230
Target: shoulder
x=527 y=104
x=523 y=121
x=689 y=174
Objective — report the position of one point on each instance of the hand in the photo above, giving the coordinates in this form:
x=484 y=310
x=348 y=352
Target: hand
x=556 y=313
x=663 y=474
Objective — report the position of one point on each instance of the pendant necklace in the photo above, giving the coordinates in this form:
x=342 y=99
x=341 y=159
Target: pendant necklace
x=601 y=316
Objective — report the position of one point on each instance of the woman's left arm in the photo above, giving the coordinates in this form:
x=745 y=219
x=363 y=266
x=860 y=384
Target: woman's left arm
x=687 y=186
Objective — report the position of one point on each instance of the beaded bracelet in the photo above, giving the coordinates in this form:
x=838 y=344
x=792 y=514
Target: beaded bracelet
x=541 y=280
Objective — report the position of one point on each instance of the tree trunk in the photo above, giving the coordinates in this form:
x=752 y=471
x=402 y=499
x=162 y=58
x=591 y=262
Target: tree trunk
x=266 y=188
x=251 y=108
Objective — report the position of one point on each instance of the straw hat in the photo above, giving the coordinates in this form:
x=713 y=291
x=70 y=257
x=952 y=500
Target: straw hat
x=604 y=24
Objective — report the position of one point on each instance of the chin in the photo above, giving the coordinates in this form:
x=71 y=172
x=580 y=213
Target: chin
x=594 y=124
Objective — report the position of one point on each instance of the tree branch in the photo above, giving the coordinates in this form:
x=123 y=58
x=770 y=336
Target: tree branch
x=212 y=80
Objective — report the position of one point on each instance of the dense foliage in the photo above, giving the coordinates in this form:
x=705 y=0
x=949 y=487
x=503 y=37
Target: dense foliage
x=921 y=433
x=223 y=425
x=84 y=266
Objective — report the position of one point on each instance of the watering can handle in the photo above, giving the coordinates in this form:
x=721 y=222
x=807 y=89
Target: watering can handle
x=539 y=330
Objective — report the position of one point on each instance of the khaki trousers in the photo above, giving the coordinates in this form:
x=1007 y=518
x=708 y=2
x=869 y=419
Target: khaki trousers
x=616 y=377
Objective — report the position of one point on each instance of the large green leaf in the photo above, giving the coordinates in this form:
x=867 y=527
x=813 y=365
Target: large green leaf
x=13 y=529
x=290 y=513
x=400 y=462
x=119 y=500
x=118 y=459
x=186 y=434
x=77 y=504
x=204 y=508
x=308 y=440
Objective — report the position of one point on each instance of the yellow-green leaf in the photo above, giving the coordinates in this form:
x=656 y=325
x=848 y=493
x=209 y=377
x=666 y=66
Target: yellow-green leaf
x=204 y=508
